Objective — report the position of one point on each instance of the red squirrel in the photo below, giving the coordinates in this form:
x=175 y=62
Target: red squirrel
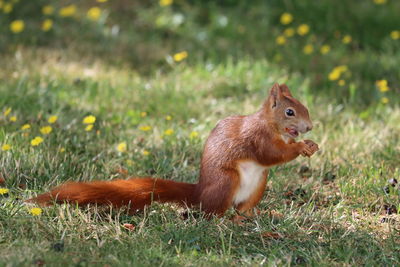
x=234 y=165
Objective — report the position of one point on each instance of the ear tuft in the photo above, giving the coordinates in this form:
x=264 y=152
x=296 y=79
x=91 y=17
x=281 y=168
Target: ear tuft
x=274 y=95
x=285 y=90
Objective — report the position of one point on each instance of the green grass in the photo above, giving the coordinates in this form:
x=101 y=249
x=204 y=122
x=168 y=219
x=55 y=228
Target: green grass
x=334 y=214
x=332 y=223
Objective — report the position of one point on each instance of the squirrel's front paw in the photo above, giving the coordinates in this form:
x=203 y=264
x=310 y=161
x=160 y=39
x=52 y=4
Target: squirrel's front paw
x=312 y=147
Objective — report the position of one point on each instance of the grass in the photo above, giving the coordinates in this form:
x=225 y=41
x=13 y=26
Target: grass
x=329 y=210
x=321 y=220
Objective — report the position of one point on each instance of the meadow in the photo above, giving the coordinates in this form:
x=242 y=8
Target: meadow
x=100 y=90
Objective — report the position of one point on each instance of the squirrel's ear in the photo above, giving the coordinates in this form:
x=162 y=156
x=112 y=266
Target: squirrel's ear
x=274 y=95
x=285 y=90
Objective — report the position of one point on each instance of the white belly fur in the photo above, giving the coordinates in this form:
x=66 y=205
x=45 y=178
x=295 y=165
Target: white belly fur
x=251 y=174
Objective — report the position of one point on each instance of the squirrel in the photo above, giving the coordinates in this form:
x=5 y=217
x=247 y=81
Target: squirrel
x=234 y=165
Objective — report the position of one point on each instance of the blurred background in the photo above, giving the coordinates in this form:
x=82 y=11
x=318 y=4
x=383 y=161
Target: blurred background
x=346 y=50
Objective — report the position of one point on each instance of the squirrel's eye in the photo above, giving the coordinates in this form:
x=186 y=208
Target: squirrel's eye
x=289 y=112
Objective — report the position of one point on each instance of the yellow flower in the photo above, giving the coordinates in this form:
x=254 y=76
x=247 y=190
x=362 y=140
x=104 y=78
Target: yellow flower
x=384 y=100
x=193 y=135
x=48 y=10
x=94 y=13
x=17 y=26
x=303 y=29
x=35 y=211
x=3 y=191
x=145 y=152
x=13 y=118
x=286 y=18
x=101 y=1
x=308 y=49
x=62 y=150
x=289 y=32
x=166 y=2
x=89 y=127
x=382 y=85
x=67 y=11
x=46 y=129
x=168 y=131
x=36 y=141
x=341 y=82
x=52 y=119
x=336 y=72
x=347 y=39
x=7 y=111
x=121 y=147
x=143 y=114
x=7 y=8
x=25 y=127
x=334 y=75
x=145 y=128
x=325 y=49
x=89 y=119
x=180 y=56
x=47 y=24
x=5 y=147
x=168 y=118
x=280 y=40
x=395 y=35
x=380 y=2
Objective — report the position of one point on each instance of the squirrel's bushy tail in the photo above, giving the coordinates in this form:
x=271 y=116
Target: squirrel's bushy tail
x=134 y=192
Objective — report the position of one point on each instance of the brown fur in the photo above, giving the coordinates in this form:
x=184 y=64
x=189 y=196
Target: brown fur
x=259 y=137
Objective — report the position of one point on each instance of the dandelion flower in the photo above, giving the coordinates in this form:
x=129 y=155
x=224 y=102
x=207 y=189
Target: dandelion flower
x=289 y=32
x=193 y=135
x=52 y=119
x=341 y=82
x=168 y=117
x=145 y=152
x=337 y=72
x=89 y=119
x=308 y=49
x=46 y=129
x=68 y=11
x=286 y=18
x=121 y=147
x=166 y=2
x=47 y=24
x=380 y=2
x=94 y=13
x=17 y=26
x=13 y=118
x=180 y=56
x=36 y=141
x=35 y=211
x=347 y=39
x=169 y=132
x=143 y=114
x=62 y=150
x=4 y=191
x=145 y=128
x=5 y=147
x=7 y=111
x=303 y=29
x=101 y=1
x=384 y=100
x=89 y=127
x=25 y=127
x=395 y=35
x=382 y=85
x=48 y=10
x=280 y=40
x=325 y=49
